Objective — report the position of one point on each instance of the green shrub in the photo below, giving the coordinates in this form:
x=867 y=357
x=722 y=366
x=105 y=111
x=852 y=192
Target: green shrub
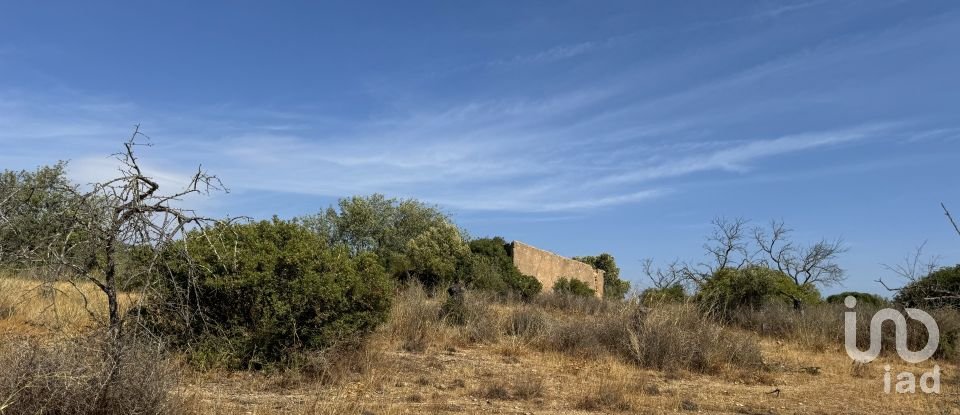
x=490 y=267
x=523 y=285
x=613 y=286
x=39 y=210
x=656 y=296
x=267 y=289
x=573 y=286
x=752 y=287
x=433 y=256
x=412 y=239
x=941 y=288
x=862 y=298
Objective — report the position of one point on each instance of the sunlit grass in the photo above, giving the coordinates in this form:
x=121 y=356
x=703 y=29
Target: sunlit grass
x=31 y=306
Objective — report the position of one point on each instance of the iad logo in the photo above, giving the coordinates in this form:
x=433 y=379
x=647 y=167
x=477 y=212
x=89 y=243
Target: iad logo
x=906 y=381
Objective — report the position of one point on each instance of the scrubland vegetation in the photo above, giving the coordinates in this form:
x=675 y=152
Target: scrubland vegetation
x=117 y=300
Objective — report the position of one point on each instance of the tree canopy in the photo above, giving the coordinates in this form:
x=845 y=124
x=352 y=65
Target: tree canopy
x=613 y=286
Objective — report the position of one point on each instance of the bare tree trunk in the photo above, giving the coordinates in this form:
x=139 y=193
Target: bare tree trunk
x=110 y=287
x=798 y=306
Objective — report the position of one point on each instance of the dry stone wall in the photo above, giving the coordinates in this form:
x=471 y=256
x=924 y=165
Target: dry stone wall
x=548 y=267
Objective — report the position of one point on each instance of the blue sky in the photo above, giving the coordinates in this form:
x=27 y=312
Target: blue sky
x=576 y=126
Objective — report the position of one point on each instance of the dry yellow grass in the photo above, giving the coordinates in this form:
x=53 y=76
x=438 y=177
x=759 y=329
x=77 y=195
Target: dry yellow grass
x=33 y=307
x=415 y=364
x=448 y=374
x=456 y=381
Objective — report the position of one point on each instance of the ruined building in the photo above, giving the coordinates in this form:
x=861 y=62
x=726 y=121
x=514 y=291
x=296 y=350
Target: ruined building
x=548 y=267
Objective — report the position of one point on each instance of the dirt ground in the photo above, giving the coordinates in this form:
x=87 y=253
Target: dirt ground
x=510 y=379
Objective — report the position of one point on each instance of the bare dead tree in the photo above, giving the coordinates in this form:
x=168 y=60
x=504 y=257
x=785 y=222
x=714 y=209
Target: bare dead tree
x=727 y=245
x=913 y=267
x=912 y=270
x=116 y=235
x=806 y=265
x=661 y=278
x=813 y=264
x=113 y=234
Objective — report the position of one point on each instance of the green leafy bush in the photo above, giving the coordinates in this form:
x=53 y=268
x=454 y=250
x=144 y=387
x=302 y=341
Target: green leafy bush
x=490 y=267
x=434 y=256
x=264 y=290
x=572 y=286
x=381 y=225
x=39 y=209
x=751 y=287
x=672 y=294
x=941 y=288
x=862 y=298
x=613 y=286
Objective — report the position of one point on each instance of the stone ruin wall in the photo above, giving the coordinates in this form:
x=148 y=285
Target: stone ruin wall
x=548 y=267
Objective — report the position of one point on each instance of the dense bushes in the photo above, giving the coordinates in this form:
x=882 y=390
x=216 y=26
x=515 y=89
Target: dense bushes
x=941 y=288
x=573 y=286
x=433 y=256
x=417 y=242
x=399 y=231
x=862 y=298
x=489 y=267
x=613 y=286
x=674 y=293
x=38 y=209
x=751 y=287
x=270 y=288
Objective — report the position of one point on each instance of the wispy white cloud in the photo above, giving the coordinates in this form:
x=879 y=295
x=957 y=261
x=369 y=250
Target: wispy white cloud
x=493 y=156
x=785 y=8
x=552 y=54
x=597 y=142
x=736 y=157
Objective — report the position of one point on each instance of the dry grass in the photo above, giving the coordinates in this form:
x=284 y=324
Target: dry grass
x=680 y=338
x=561 y=356
x=30 y=306
x=820 y=327
x=531 y=366
x=56 y=361
x=611 y=394
x=414 y=320
x=86 y=376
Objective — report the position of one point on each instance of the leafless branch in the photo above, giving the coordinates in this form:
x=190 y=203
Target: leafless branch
x=806 y=265
x=950 y=218
x=914 y=265
x=664 y=278
x=99 y=230
x=727 y=244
